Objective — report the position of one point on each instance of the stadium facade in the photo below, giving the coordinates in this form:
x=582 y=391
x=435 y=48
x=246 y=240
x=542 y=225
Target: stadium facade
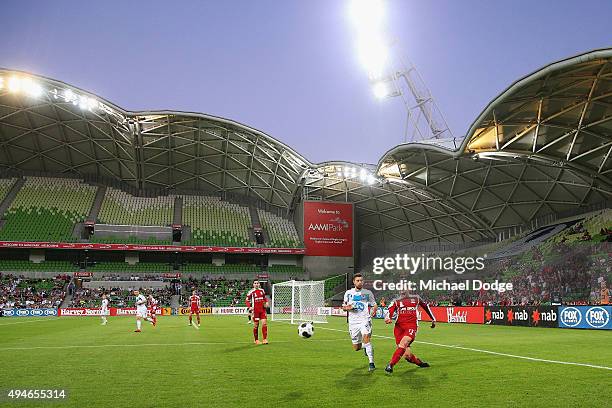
x=542 y=147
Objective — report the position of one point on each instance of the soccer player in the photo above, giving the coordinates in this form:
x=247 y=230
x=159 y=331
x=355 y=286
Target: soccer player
x=153 y=309
x=194 y=303
x=361 y=307
x=257 y=303
x=604 y=294
x=141 y=310
x=104 y=309
x=404 y=310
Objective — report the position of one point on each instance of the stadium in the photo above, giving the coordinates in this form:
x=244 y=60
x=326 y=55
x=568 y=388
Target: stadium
x=97 y=199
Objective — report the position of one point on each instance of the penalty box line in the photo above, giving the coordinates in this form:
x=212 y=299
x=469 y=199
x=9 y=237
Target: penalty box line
x=489 y=352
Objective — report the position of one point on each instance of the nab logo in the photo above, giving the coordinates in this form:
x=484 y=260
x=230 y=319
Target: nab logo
x=9 y=313
x=22 y=312
x=497 y=315
x=37 y=312
x=571 y=317
x=597 y=317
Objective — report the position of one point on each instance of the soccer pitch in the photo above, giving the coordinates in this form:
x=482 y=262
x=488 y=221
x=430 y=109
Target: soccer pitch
x=175 y=365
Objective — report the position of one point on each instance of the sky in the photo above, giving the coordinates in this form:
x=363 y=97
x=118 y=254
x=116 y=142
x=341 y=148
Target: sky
x=289 y=68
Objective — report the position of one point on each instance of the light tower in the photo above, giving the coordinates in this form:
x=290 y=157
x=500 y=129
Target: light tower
x=391 y=75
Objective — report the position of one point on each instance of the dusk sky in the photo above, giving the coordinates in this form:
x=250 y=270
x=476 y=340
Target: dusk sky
x=290 y=68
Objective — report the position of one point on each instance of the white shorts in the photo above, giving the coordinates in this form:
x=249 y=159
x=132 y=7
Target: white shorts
x=141 y=312
x=358 y=330
x=105 y=312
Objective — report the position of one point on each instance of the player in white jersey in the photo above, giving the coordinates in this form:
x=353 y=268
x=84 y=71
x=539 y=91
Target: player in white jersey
x=104 y=311
x=361 y=307
x=141 y=310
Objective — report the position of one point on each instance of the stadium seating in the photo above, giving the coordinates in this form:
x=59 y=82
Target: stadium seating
x=281 y=232
x=596 y=227
x=46 y=209
x=5 y=187
x=332 y=283
x=218 y=292
x=142 y=267
x=216 y=222
x=89 y=297
x=31 y=293
x=128 y=240
x=221 y=269
x=121 y=208
x=292 y=270
x=46 y=266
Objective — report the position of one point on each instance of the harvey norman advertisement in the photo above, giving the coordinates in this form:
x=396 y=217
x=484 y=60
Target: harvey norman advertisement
x=328 y=228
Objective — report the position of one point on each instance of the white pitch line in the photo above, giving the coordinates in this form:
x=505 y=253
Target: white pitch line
x=30 y=321
x=145 y=345
x=488 y=352
x=195 y=326
x=126 y=345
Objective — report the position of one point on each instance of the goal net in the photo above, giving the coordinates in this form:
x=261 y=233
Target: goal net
x=299 y=301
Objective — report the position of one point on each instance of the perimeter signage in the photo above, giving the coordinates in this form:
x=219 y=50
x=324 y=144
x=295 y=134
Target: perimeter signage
x=162 y=248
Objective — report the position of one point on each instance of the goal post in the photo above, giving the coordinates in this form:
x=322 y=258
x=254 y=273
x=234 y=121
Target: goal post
x=299 y=301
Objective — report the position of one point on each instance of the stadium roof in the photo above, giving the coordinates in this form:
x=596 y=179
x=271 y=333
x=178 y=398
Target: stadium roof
x=543 y=146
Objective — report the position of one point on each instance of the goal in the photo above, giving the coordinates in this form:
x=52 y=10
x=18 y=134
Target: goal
x=299 y=301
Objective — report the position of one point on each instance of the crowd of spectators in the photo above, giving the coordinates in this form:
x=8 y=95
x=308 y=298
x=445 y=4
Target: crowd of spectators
x=217 y=292
x=118 y=297
x=571 y=273
x=124 y=277
x=23 y=292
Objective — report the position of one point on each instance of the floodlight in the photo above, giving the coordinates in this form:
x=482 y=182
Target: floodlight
x=381 y=90
x=363 y=175
x=69 y=96
x=31 y=87
x=14 y=84
x=373 y=54
x=367 y=13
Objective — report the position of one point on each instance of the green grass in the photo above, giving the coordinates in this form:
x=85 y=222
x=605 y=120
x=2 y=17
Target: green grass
x=175 y=365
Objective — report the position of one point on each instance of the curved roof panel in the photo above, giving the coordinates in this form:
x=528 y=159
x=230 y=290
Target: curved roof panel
x=543 y=146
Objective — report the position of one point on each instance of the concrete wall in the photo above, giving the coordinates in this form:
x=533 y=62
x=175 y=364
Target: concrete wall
x=218 y=259
x=37 y=255
x=325 y=266
x=284 y=260
x=131 y=257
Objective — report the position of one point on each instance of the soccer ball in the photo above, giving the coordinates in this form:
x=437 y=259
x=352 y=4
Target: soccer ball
x=306 y=330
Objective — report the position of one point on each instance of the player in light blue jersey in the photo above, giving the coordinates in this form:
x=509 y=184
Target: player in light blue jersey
x=361 y=307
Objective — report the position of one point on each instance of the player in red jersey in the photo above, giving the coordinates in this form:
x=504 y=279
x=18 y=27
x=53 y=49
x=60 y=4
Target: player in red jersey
x=404 y=310
x=194 y=303
x=152 y=309
x=257 y=303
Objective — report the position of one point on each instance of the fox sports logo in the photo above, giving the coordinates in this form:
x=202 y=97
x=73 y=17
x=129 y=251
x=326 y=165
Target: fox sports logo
x=571 y=317
x=597 y=317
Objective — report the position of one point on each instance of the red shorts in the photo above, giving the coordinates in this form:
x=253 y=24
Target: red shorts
x=259 y=315
x=195 y=310
x=402 y=331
